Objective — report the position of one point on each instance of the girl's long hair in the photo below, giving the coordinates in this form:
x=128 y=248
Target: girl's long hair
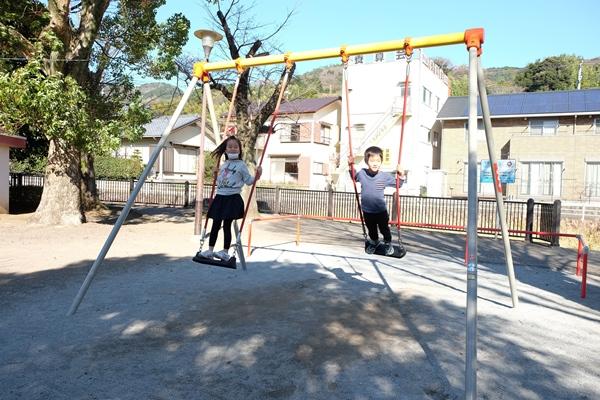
x=220 y=150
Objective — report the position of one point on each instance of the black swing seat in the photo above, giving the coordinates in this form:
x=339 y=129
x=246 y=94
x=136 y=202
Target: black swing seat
x=231 y=263
x=399 y=251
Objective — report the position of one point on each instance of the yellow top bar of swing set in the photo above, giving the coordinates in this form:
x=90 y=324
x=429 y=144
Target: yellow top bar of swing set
x=414 y=43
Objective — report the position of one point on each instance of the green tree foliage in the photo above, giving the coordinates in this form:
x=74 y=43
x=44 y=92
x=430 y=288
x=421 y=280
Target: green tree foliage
x=459 y=85
x=590 y=76
x=76 y=59
x=551 y=73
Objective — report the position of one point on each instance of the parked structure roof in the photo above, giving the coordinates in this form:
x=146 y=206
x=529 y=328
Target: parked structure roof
x=302 y=106
x=157 y=126
x=17 y=142
x=569 y=102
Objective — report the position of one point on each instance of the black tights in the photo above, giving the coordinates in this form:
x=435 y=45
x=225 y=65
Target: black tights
x=214 y=233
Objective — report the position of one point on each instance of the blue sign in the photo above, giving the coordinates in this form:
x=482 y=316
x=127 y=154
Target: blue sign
x=506 y=171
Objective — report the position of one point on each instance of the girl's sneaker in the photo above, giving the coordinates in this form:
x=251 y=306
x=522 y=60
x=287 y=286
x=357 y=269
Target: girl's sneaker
x=222 y=255
x=208 y=254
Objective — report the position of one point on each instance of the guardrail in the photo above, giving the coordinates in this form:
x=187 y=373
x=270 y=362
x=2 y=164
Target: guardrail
x=582 y=252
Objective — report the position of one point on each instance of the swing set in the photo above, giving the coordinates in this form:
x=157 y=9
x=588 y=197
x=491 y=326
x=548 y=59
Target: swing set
x=473 y=38
x=399 y=250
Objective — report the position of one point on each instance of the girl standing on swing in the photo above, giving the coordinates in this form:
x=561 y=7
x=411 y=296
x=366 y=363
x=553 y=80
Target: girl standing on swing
x=228 y=204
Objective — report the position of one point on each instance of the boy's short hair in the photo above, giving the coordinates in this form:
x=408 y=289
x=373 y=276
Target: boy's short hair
x=373 y=151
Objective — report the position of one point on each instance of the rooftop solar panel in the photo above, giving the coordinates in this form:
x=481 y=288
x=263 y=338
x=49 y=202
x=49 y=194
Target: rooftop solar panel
x=560 y=102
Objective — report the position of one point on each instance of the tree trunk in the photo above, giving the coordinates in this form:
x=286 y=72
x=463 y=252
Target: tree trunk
x=61 y=198
x=89 y=190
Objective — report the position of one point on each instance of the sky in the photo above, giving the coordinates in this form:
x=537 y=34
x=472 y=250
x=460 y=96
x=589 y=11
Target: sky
x=517 y=32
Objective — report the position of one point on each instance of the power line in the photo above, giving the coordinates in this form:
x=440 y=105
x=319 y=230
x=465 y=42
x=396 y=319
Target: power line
x=44 y=59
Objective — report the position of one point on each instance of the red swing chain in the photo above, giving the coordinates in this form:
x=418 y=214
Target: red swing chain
x=351 y=164
x=225 y=134
x=275 y=114
x=408 y=50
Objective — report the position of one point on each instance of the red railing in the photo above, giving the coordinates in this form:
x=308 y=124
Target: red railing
x=582 y=251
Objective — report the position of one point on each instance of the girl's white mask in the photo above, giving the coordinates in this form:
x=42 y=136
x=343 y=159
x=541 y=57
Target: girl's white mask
x=232 y=156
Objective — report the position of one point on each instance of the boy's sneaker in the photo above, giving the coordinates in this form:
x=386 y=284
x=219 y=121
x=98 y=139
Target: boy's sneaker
x=389 y=249
x=371 y=246
x=208 y=254
x=223 y=255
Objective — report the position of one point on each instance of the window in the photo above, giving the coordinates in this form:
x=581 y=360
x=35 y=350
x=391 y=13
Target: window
x=185 y=160
x=325 y=134
x=290 y=133
x=543 y=127
x=597 y=125
x=319 y=168
x=480 y=131
x=592 y=179
x=168 y=159
x=401 y=84
x=541 y=178
x=358 y=127
x=291 y=170
x=426 y=97
x=295 y=133
x=284 y=169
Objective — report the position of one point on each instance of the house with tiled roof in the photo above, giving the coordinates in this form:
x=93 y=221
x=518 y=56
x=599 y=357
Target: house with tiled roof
x=302 y=150
x=177 y=160
x=552 y=137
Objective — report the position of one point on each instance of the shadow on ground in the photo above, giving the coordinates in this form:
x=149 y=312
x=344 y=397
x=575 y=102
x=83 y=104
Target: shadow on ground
x=159 y=327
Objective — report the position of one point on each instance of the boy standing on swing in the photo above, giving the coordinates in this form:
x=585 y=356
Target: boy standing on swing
x=373 y=183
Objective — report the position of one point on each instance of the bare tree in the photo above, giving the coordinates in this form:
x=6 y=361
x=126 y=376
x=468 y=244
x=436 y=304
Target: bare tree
x=259 y=88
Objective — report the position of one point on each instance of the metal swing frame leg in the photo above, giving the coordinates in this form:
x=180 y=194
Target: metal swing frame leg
x=125 y=212
x=238 y=244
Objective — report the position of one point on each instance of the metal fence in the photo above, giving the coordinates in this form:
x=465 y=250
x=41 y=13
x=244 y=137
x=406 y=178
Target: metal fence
x=429 y=212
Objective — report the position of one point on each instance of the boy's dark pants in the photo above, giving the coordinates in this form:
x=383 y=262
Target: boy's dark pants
x=378 y=220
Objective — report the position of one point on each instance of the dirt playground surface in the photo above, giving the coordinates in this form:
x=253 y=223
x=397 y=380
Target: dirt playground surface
x=322 y=320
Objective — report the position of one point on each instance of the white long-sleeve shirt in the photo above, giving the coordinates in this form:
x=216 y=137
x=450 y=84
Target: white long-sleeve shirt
x=233 y=174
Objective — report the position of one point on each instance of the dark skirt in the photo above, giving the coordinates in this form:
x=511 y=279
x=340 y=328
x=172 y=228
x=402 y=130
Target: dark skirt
x=226 y=207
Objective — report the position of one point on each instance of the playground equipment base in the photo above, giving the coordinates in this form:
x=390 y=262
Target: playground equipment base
x=399 y=251
x=231 y=263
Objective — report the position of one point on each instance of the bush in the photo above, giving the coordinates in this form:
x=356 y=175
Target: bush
x=31 y=165
x=117 y=168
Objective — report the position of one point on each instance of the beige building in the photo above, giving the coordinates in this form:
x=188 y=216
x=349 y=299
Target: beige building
x=553 y=138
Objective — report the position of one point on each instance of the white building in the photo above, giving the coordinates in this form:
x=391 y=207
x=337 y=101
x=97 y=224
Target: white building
x=302 y=149
x=177 y=160
x=6 y=142
x=376 y=89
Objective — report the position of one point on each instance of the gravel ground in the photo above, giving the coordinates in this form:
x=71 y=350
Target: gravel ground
x=321 y=320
